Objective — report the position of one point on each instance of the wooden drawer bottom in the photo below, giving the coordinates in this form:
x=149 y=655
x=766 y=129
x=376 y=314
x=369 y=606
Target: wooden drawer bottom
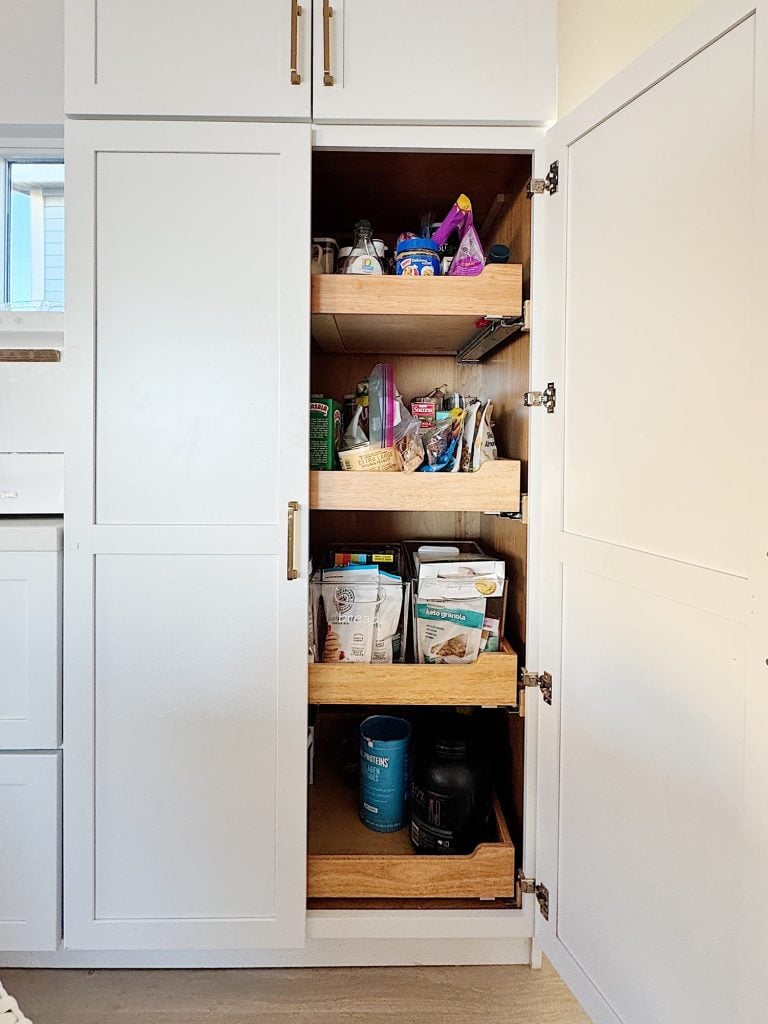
x=348 y=860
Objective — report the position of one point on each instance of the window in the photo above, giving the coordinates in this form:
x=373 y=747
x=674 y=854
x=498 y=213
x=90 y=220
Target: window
x=33 y=236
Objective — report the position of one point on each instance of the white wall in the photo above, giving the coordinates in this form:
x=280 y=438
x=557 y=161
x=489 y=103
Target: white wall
x=31 y=62
x=597 y=38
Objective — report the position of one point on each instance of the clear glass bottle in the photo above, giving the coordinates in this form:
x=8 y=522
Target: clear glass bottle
x=363 y=258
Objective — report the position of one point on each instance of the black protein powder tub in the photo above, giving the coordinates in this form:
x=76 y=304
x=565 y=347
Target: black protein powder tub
x=451 y=790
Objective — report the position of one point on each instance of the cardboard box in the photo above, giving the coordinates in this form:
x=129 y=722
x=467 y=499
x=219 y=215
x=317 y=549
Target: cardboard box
x=325 y=425
x=425 y=413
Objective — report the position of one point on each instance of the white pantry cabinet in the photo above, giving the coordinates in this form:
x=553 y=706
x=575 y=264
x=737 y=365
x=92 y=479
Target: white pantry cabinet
x=647 y=588
x=30 y=851
x=30 y=634
x=489 y=62
x=185 y=724
x=437 y=61
x=189 y=58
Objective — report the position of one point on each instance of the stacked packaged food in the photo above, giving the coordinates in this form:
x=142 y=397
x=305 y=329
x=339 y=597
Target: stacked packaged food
x=449 y=247
x=362 y=601
x=442 y=431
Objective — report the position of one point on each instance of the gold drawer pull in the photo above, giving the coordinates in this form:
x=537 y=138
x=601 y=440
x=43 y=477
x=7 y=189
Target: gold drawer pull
x=296 y=13
x=293 y=508
x=327 y=15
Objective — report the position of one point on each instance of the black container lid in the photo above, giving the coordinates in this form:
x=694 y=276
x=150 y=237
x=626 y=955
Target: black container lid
x=452 y=738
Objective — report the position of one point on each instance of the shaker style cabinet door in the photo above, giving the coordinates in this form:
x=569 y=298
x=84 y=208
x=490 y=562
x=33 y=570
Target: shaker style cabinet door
x=185 y=709
x=435 y=61
x=30 y=861
x=30 y=645
x=193 y=58
x=652 y=514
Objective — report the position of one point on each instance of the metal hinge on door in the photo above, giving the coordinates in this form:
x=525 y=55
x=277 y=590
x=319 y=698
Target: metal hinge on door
x=538 y=186
x=543 y=682
x=541 y=892
x=547 y=398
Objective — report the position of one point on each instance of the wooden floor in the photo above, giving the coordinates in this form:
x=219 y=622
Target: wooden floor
x=377 y=995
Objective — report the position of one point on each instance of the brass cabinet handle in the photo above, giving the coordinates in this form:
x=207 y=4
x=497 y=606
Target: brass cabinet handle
x=296 y=13
x=293 y=508
x=327 y=15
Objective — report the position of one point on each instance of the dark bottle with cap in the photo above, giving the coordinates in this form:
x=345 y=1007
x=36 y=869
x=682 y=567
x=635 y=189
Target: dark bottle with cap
x=451 y=802
x=498 y=254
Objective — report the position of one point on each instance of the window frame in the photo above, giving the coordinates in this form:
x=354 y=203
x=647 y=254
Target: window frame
x=12 y=151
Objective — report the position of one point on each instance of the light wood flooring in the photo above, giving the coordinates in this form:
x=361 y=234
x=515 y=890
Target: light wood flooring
x=376 y=995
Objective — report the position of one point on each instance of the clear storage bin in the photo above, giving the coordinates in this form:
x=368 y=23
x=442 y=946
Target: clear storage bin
x=359 y=622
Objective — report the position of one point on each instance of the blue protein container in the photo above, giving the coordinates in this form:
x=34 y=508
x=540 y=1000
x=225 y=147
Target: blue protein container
x=384 y=772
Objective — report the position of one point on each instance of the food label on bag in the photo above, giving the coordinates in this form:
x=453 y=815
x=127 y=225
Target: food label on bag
x=425 y=413
x=449 y=634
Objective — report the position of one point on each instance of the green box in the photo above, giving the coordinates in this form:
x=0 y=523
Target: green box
x=325 y=426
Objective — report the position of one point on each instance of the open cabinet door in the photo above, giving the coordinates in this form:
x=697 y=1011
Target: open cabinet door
x=647 y=548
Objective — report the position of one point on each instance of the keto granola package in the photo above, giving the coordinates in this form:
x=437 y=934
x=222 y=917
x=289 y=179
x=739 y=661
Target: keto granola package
x=449 y=632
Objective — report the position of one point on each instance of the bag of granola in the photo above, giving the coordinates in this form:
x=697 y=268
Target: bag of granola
x=449 y=632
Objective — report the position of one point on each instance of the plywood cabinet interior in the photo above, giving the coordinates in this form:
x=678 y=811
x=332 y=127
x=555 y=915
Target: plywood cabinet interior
x=345 y=859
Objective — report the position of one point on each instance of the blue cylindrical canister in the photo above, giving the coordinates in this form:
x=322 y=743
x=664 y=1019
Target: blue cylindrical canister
x=384 y=772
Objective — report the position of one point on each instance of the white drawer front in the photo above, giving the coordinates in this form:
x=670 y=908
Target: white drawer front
x=31 y=485
x=31 y=406
x=30 y=643
x=30 y=886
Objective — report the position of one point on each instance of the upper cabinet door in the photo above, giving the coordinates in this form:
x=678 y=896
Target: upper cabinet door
x=186 y=678
x=651 y=554
x=435 y=61
x=167 y=58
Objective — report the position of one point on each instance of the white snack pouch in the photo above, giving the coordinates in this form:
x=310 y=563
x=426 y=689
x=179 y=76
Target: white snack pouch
x=350 y=613
x=470 y=427
x=354 y=435
x=390 y=606
x=460 y=588
x=449 y=632
x=484 y=447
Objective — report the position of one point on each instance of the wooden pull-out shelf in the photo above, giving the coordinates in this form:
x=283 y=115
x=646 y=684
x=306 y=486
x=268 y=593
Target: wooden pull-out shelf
x=348 y=860
x=413 y=315
x=491 y=681
x=495 y=487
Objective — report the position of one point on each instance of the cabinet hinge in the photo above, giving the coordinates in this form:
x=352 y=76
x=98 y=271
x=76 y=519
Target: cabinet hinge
x=547 y=398
x=543 y=682
x=537 y=186
x=541 y=892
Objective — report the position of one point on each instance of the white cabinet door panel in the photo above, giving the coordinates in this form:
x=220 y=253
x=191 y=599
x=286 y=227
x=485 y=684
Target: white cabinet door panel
x=651 y=753
x=30 y=649
x=491 y=62
x=176 y=58
x=185 y=736
x=185 y=711
x=647 y=538
x=184 y=246
x=30 y=861
x=656 y=467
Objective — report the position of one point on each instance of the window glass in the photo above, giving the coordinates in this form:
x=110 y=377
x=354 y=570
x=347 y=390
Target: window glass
x=35 y=241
